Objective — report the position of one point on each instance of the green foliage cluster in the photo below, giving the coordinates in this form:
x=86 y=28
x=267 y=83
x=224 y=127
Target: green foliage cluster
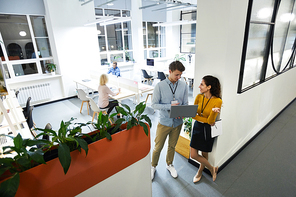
x=51 y=67
x=27 y=156
x=69 y=137
x=180 y=57
x=136 y=117
x=187 y=125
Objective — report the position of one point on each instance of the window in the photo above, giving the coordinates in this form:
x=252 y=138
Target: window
x=153 y=40
x=188 y=32
x=270 y=41
x=25 y=49
x=115 y=40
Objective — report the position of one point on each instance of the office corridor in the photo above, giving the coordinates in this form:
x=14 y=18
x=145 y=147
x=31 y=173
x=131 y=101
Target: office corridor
x=266 y=167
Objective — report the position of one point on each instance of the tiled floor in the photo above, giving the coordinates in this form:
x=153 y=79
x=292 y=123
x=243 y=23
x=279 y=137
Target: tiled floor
x=266 y=167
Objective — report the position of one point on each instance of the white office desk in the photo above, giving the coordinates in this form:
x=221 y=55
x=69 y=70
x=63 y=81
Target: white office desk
x=145 y=88
x=93 y=85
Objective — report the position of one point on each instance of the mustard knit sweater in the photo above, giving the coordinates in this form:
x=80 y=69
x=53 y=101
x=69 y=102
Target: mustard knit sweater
x=208 y=116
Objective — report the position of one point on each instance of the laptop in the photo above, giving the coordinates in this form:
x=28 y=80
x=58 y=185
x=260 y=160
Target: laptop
x=183 y=111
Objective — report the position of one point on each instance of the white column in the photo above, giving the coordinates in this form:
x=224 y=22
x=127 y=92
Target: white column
x=137 y=32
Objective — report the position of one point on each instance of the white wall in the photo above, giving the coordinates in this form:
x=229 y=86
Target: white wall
x=126 y=182
x=219 y=42
x=22 y=7
x=75 y=48
x=172 y=34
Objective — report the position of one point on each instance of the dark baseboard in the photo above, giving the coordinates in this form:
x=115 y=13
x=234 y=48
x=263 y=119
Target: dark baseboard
x=243 y=147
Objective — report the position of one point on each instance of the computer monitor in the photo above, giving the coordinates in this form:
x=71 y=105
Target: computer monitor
x=150 y=62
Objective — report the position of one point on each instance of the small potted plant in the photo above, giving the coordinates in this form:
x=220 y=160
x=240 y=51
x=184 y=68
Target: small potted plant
x=180 y=57
x=51 y=68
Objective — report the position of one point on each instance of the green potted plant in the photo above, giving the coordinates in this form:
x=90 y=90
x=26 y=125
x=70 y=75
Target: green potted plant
x=135 y=117
x=104 y=126
x=97 y=161
x=187 y=126
x=179 y=57
x=51 y=68
x=27 y=156
x=183 y=144
x=68 y=139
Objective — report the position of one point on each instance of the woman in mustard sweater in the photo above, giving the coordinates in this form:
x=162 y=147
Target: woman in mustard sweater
x=209 y=103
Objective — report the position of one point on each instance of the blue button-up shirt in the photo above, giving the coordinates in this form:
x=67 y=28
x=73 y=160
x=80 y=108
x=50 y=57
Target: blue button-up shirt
x=115 y=71
x=162 y=97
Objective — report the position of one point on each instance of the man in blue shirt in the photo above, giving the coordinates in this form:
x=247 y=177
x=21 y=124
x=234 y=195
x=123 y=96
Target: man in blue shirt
x=168 y=92
x=114 y=70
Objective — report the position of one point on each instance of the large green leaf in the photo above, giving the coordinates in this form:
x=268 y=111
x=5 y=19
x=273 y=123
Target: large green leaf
x=144 y=127
x=46 y=132
x=83 y=144
x=18 y=141
x=121 y=111
x=9 y=187
x=108 y=136
x=24 y=161
x=129 y=125
x=127 y=107
x=140 y=108
x=147 y=119
x=62 y=131
x=4 y=169
x=64 y=156
x=37 y=156
x=6 y=161
x=29 y=142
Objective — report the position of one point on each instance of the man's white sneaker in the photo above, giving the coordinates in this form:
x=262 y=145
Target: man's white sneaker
x=172 y=170
x=153 y=169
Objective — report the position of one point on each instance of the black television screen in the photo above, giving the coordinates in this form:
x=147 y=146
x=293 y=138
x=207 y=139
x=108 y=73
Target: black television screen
x=150 y=62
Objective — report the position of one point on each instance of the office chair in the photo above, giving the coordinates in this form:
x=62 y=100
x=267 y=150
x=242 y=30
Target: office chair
x=16 y=93
x=47 y=126
x=83 y=97
x=27 y=108
x=97 y=109
x=161 y=76
x=146 y=76
x=30 y=122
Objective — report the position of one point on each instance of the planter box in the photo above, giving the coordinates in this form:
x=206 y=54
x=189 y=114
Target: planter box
x=105 y=158
x=183 y=144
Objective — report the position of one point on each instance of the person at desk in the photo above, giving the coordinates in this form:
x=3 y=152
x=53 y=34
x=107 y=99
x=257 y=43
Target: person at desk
x=209 y=103
x=104 y=92
x=114 y=70
x=168 y=92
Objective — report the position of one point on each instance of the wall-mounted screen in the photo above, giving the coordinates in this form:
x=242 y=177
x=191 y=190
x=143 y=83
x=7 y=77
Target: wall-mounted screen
x=150 y=62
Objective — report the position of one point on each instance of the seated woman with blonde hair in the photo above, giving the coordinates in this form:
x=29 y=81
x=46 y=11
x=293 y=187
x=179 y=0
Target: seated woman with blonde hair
x=104 y=93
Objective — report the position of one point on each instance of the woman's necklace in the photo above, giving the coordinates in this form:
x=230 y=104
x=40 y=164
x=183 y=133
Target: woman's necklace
x=203 y=108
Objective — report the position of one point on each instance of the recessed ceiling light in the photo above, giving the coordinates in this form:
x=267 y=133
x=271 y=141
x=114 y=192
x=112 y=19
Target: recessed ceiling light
x=23 y=33
x=110 y=4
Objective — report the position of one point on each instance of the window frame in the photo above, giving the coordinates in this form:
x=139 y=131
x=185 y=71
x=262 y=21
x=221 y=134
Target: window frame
x=37 y=60
x=268 y=51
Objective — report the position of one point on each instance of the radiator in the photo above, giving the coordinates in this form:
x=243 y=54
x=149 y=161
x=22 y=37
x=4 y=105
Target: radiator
x=38 y=93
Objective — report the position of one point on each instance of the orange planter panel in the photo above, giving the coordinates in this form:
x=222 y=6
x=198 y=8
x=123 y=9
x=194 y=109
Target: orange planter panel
x=105 y=158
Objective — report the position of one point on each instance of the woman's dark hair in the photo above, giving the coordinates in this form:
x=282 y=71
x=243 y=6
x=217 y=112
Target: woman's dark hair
x=176 y=65
x=215 y=85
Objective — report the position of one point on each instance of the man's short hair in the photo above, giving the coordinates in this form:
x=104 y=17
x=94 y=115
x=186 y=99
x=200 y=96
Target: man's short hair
x=115 y=63
x=176 y=65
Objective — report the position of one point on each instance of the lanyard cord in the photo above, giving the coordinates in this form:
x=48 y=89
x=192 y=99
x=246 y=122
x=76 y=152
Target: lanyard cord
x=203 y=108
x=174 y=90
